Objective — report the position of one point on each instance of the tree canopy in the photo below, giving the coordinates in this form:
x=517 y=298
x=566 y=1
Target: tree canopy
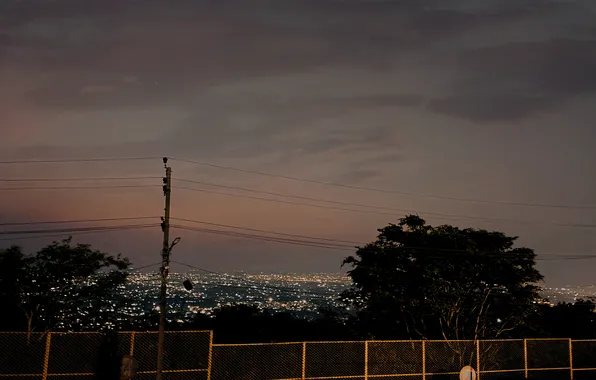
x=62 y=286
x=420 y=281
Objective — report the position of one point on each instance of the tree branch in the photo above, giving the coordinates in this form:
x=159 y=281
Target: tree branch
x=480 y=314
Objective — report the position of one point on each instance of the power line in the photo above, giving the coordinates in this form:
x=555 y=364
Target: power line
x=327 y=200
x=306 y=180
x=393 y=214
x=345 y=248
x=281 y=201
x=75 y=160
x=356 y=187
x=144 y=266
x=76 y=187
x=265 y=231
x=55 y=235
x=79 y=229
x=279 y=240
x=306 y=243
x=300 y=241
x=77 y=221
x=75 y=179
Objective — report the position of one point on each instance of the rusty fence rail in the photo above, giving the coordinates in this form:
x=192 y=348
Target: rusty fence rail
x=192 y=355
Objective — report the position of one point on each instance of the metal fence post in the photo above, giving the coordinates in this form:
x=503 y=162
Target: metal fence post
x=303 y=360
x=366 y=360
x=46 y=358
x=132 y=344
x=478 y=359
x=423 y=360
x=210 y=358
x=570 y=359
x=526 y=358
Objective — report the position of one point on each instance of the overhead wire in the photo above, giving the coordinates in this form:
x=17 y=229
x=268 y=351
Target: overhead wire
x=438 y=215
x=259 y=237
x=301 y=239
x=345 y=248
x=365 y=188
x=75 y=229
x=75 y=233
x=433 y=214
x=281 y=201
x=70 y=179
x=78 y=221
x=75 y=187
x=76 y=160
x=263 y=231
x=144 y=267
x=327 y=200
x=300 y=179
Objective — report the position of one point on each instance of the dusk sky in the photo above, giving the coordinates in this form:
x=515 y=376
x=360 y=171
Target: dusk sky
x=469 y=99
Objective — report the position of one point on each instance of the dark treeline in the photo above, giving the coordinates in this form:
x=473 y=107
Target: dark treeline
x=415 y=281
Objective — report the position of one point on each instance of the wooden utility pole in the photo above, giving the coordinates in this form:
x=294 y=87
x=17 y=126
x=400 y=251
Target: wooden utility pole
x=165 y=266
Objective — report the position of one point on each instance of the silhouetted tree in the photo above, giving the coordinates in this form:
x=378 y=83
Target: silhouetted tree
x=108 y=358
x=419 y=281
x=65 y=286
x=12 y=273
x=240 y=323
x=566 y=320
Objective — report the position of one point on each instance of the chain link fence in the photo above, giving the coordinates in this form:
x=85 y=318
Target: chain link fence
x=191 y=355
x=548 y=359
x=90 y=355
x=257 y=361
x=22 y=355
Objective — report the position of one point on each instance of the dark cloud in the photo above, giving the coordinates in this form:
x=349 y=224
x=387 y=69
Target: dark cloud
x=358 y=176
x=201 y=47
x=380 y=100
x=491 y=108
x=173 y=70
x=205 y=43
x=363 y=170
x=514 y=81
x=209 y=43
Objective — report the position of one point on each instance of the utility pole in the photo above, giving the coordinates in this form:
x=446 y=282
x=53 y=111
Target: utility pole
x=165 y=266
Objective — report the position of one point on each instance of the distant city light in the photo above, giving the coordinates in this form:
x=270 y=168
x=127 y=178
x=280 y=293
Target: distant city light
x=302 y=295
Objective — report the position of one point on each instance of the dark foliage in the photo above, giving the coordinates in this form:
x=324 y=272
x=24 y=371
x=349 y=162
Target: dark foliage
x=565 y=320
x=73 y=281
x=419 y=281
x=247 y=323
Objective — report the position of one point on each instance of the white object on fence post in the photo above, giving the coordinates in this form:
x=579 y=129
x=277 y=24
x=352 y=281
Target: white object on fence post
x=129 y=367
x=467 y=373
